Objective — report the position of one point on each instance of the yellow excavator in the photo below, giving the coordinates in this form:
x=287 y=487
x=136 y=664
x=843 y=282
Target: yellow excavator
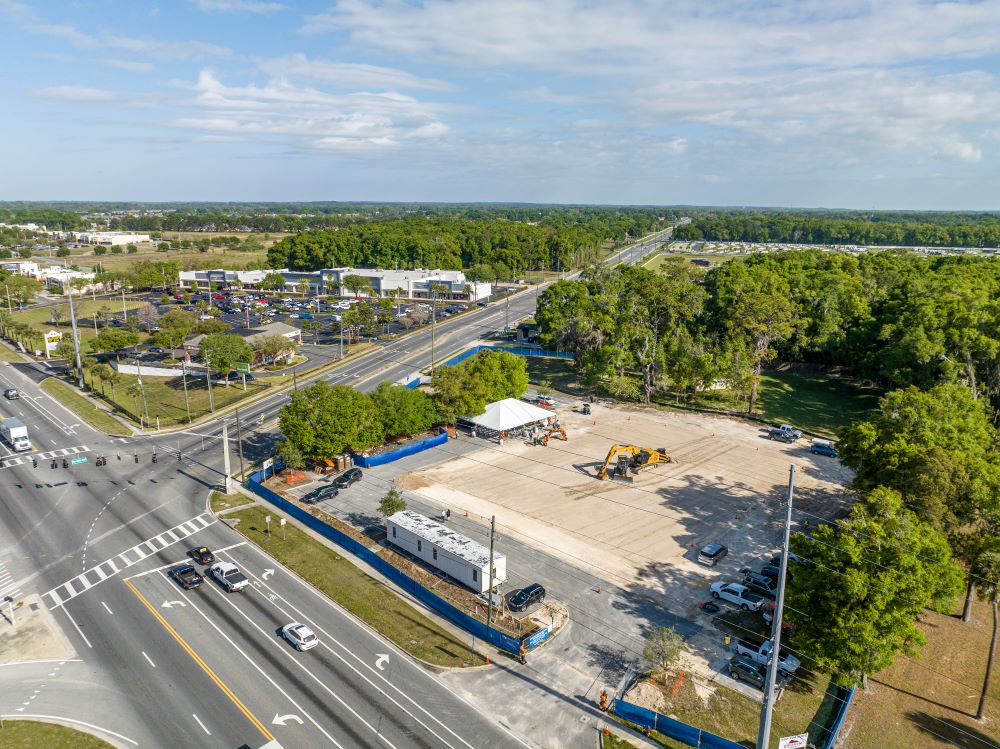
x=623 y=459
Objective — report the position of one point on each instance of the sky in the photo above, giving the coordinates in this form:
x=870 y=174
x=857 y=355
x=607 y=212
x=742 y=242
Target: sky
x=873 y=105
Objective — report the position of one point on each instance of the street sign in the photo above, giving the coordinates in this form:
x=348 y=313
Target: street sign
x=241 y=367
x=794 y=742
x=267 y=463
x=78 y=460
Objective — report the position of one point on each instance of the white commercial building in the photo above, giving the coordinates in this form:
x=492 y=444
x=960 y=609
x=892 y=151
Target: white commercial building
x=458 y=557
x=58 y=278
x=405 y=284
x=110 y=238
x=21 y=267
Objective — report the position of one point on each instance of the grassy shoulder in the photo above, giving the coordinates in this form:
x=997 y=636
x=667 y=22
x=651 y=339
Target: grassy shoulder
x=30 y=734
x=7 y=354
x=67 y=395
x=220 y=501
x=349 y=586
x=930 y=701
x=40 y=318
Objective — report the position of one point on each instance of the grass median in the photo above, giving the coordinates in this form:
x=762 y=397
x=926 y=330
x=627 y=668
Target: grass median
x=221 y=502
x=30 y=734
x=362 y=595
x=101 y=420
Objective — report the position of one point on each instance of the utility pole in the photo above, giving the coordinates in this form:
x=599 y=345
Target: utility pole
x=506 y=314
x=489 y=592
x=764 y=734
x=239 y=442
x=76 y=339
x=124 y=308
x=184 y=379
x=142 y=390
x=8 y=297
x=225 y=457
x=208 y=379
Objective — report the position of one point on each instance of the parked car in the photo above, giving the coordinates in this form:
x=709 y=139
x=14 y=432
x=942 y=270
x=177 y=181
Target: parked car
x=745 y=669
x=318 y=495
x=711 y=554
x=781 y=434
x=775 y=561
x=519 y=600
x=11 y=394
x=547 y=399
x=739 y=595
x=823 y=447
x=300 y=636
x=348 y=477
x=234 y=376
x=761 y=583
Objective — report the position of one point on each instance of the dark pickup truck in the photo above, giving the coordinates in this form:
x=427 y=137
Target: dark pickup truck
x=186 y=576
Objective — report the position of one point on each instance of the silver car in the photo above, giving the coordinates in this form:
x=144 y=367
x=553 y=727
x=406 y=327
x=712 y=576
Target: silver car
x=299 y=636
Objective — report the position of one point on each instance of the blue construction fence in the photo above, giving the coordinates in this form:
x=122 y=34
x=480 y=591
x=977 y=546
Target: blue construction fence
x=845 y=698
x=517 y=350
x=675 y=729
x=408 y=584
x=381 y=459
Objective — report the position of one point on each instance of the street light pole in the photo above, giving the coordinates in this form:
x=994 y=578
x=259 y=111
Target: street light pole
x=208 y=378
x=187 y=403
x=76 y=339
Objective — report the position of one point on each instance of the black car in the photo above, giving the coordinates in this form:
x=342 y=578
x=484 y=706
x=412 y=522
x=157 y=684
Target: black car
x=318 y=495
x=11 y=394
x=186 y=576
x=348 y=477
x=202 y=555
x=742 y=668
x=235 y=376
x=761 y=583
x=521 y=599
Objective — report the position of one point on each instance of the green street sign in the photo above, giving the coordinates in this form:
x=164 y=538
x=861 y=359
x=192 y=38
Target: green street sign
x=75 y=461
x=241 y=367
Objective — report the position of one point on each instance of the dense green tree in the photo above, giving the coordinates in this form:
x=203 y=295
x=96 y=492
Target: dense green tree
x=272 y=281
x=223 y=351
x=403 y=411
x=290 y=455
x=323 y=420
x=113 y=339
x=391 y=503
x=496 y=374
x=865 y=581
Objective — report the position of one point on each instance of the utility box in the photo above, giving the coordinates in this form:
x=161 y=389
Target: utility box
x=457 y=556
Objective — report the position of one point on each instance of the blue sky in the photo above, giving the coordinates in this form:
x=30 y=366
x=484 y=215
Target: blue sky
x=888 y=104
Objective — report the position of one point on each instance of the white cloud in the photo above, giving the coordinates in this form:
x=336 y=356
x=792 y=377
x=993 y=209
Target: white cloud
x=238 y=6
x=131 y=65
x=310 y=118
x=545 y=95
x=166 y=50
x=348 y=75
x=84 y=94
x=26 y=17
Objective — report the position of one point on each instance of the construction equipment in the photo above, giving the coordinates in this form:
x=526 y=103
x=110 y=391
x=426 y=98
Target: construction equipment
x=552 y=433
x=629 y=458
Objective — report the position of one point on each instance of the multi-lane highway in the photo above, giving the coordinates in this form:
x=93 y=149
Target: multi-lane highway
x=157 y=666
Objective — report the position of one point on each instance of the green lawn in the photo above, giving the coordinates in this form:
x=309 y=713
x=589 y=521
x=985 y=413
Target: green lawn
x=814 y=403
x=363 y=596
x=39 y=317
x=657 y=261
x=222 y=501
x=29 y=734
x=67 y=395
x=611 y=741
x=165 y=397
x=7 y=354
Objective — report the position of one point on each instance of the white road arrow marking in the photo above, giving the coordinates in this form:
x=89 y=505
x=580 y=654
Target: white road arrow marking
x=381 y=660
x=280 y=720
x=171 y=604
x=266 y=574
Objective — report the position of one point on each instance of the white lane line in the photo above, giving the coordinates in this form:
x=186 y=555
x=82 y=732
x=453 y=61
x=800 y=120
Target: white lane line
x=79 y=631
x=107 y=609
x=180 y=561
x=252 y=662
x=61 y=719
x=378 y=640
x=148 y=659
x=273 y=642
x=198 y=720
x=273 y=600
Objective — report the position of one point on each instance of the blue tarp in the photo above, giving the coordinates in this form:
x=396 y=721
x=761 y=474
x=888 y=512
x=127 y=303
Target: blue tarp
x=389 y=457
x=675 y=729
x=411 y=586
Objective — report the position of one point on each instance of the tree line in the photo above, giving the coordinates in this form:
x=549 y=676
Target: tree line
x=848 y=228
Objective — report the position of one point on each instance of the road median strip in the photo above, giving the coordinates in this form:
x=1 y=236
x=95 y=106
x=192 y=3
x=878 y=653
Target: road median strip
x=84 y=407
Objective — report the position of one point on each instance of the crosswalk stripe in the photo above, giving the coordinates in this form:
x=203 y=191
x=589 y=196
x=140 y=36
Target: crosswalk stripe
x=64 y=593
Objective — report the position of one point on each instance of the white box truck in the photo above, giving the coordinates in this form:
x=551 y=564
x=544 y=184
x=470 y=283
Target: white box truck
x=15 y=433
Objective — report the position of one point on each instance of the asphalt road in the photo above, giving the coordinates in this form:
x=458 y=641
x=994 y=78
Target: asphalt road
x=160 y=667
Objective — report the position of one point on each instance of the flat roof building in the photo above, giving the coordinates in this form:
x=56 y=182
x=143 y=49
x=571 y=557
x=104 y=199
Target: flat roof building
x=441 y=547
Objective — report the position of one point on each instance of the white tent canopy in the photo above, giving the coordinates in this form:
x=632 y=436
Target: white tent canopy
x=508 y=414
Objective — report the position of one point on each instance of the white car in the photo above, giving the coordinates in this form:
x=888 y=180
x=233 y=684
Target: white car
x=737 y=594
x=299 y=636
x=547 y=399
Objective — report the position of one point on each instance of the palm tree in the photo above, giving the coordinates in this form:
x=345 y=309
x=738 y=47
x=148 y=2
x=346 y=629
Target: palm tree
x=988 y=585
x=113 y=377
x=89 y=362
x=134 y=390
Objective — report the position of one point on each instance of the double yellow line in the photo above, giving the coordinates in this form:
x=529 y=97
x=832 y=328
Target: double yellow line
x=197 y=659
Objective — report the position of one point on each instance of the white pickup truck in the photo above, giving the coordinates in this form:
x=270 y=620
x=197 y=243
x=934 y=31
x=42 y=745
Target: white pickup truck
x=788 y=664
x=737 y=594
x=229 y=576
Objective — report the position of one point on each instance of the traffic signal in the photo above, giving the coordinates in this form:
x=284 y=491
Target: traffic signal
x=53 y=462
x=34 y=462
x=65 y=463
x=136 y=456
x=154 y=457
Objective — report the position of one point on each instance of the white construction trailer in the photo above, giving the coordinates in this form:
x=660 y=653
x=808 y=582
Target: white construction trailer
x=455 y=555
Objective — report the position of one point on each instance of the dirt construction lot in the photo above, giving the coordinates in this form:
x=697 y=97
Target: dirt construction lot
x=727 y=484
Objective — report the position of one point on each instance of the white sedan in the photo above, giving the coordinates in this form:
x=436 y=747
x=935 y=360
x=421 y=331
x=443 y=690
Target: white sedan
x=300 y=636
